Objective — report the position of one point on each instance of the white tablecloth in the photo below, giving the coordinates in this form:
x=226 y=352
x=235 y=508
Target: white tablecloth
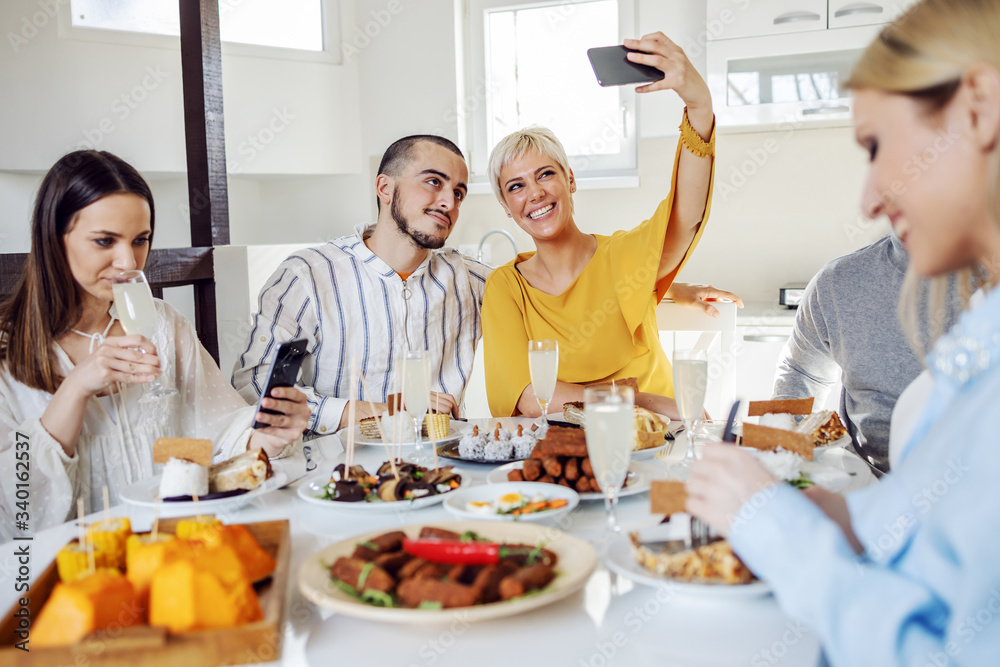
x=610 y=622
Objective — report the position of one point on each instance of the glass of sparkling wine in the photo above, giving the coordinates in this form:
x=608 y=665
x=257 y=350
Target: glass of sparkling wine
x=610 y=432
x=690 y=383
x=416 y=398
x=137 y=313
x=543 y=363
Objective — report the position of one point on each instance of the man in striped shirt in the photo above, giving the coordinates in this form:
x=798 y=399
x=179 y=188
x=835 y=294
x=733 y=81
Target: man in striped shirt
x=370 y=296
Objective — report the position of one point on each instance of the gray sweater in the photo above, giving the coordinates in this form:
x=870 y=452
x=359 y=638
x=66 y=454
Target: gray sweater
x=847 y=328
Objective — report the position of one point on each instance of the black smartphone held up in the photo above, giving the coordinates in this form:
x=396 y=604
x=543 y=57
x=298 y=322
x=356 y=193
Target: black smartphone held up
x=283 y=372
x=613 y=68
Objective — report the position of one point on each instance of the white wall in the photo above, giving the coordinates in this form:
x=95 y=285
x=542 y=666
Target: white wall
x=313 y=180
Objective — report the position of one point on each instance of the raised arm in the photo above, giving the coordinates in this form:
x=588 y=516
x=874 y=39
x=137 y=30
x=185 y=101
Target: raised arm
x=694 y=174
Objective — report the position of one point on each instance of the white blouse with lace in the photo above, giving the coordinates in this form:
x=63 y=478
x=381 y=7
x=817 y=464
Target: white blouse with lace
x=115 y=447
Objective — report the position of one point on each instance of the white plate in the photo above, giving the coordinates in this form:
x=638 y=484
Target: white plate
x=455 y=431
x=639 y=480
x=840 y=443
x=832 y=479
x=619 y=559
x=650 y=453
x=576 y=563
x=145 y=493
x=311 y=488
x=456 y=503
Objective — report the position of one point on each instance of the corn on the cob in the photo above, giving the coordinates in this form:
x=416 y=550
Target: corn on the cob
x=72 y=561
x=197 y=528
x=437 y=426
x=110 y=535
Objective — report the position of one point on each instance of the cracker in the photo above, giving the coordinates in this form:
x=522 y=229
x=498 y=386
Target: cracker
x=791 y=406
x=667 y=497
x=767 y=438
x=191 y=449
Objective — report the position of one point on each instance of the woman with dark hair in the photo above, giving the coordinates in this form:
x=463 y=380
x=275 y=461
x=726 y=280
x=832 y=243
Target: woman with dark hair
x=71 y=380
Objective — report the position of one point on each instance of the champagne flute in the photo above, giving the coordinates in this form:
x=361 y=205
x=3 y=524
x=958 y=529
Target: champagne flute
x=417 y=400
x=690 y=384
x=137 y=313
x=543 y=364
x=610 y=433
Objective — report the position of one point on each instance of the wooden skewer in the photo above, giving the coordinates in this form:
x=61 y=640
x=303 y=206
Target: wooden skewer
x=197 y=507
x=88 y=545
x=352 y=415
x=107 y=503
x=381 y=431
x=81 y=533
x=156 y=519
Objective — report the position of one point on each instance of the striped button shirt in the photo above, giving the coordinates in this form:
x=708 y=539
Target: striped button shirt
x=349 y=304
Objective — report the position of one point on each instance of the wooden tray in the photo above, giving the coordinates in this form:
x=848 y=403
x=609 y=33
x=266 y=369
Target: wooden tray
x=145 y=645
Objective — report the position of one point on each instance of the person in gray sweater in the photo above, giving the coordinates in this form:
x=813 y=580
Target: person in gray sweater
x=847 y=328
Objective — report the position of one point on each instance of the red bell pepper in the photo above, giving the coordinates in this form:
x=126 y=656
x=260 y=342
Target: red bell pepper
x=453 y=552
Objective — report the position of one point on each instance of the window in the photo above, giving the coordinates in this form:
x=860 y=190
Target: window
x=529 y=66
x=290 y=24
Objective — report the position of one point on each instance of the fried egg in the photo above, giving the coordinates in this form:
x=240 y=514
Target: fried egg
x=479 y=507
x=510 y=501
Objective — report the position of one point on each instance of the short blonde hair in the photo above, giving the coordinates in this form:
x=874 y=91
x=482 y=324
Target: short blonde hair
x=535 y=138
x=924 y=54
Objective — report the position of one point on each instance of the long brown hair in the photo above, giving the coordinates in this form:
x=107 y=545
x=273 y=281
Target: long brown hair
x=46 y=303
x=923 y=54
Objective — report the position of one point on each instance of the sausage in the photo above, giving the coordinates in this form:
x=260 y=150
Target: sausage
x=525 y=580
x=583 y=485
x=546 y=479
x=393 y=562
x=379 y=545
x=515 y=475
x=585 y=467
x=532 y=469
x=439 y=533
x=552 y=466
x=348 y=570
x=571 y=470
x=414 y=591
x=563 y=482
x=487 y=583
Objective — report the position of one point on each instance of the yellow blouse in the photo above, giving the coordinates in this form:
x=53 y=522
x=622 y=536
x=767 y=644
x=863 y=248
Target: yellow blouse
x=605 y=321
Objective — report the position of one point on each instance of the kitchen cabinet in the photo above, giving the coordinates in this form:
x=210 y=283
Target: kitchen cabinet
x=727 y=19
x=850 y=13
x=759 y=349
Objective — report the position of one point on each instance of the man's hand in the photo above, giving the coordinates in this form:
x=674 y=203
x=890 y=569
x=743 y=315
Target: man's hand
x=700 y=296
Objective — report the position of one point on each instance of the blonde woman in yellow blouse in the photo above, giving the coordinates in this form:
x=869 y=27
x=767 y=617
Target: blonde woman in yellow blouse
x=596 y=295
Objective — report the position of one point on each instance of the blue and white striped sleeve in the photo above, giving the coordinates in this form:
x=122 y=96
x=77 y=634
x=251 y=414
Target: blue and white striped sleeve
x=287 y=309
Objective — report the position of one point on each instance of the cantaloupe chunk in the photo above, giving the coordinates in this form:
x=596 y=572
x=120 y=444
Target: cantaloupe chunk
x=104 y=599
x=202 y=594
x=144 y=555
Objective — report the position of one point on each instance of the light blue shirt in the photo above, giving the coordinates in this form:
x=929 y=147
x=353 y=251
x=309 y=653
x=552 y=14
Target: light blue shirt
x=927 y=589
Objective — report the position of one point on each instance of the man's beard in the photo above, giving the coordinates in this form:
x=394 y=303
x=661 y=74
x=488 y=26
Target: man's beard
x=425 y=241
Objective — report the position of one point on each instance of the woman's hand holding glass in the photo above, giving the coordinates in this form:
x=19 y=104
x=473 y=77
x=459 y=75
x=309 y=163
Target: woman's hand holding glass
x=285 y=428
x=126 y=359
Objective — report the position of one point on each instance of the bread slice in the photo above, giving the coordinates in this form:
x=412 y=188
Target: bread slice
x=823 y=427
x=246 y=471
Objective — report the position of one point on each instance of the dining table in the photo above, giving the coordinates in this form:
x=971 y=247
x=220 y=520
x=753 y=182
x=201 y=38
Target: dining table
x=611 y=620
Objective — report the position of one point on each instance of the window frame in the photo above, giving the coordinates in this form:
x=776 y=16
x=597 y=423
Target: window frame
x=334 y=20
x=595 y=171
